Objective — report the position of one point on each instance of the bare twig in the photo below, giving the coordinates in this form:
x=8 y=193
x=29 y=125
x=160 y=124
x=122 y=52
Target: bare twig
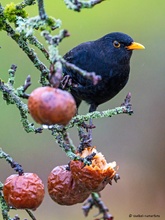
x=97 y=202
x=30 y=214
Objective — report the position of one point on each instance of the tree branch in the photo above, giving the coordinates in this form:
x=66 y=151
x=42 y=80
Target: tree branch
x=77 y=5
x=41 y=10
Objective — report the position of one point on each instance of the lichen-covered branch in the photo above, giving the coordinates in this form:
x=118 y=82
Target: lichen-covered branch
x=80 y=119
x=30 y=52
x=11 y=97
x=15 y=22
x=25 y=28
x=17 y=167
x=12 y=71
x=4 y=207
x=34 y=41
x=77 y=5
x=63 y=140
x=25 y=3
x=41 y=10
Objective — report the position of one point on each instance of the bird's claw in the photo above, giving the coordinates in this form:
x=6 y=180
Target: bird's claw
x=68 y=82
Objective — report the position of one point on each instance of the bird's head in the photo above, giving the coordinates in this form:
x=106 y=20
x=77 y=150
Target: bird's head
x=120 y=45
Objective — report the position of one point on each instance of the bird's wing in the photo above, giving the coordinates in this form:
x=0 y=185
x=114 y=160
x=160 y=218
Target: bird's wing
x=78 y=54
x=81 y=57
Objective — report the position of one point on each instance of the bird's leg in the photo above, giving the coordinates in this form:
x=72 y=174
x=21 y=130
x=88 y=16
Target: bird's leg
x=93 y=107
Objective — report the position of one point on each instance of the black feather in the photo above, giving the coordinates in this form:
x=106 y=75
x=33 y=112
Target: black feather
x=103 y=58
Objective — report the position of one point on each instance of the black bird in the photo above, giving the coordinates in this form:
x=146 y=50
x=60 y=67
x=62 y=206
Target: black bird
x=108 y=57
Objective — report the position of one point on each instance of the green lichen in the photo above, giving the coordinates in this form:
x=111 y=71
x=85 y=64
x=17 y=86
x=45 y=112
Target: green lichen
x=11 y=12
x=50 y=24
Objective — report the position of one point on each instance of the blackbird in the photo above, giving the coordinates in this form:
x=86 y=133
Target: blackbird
x=109 y=57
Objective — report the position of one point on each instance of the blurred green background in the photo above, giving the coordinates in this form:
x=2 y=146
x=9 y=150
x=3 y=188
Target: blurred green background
x=136 y=143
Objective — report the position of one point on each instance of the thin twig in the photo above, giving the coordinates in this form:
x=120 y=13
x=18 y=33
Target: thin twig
x=30 y=214
x=77 y=5
x=16 y=166
x=80 y=119
x=25 y=3
x=41 y=9
x=29 y=52
x=89 y=75
x=11 y=97
x=96 y=201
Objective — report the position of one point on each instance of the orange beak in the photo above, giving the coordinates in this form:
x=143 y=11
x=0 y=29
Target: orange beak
x=135 y=46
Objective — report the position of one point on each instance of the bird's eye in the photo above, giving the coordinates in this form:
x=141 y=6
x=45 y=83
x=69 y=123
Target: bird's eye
x=116 y=44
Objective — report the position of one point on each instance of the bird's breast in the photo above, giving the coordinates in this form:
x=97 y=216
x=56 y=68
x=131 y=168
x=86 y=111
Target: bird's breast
x=106 y=89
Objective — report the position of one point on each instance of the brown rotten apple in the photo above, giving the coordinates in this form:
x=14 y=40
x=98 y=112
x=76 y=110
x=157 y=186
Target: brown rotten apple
x=63 y=189
x=96 y=176
x=49 y=106
x=23 y=192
